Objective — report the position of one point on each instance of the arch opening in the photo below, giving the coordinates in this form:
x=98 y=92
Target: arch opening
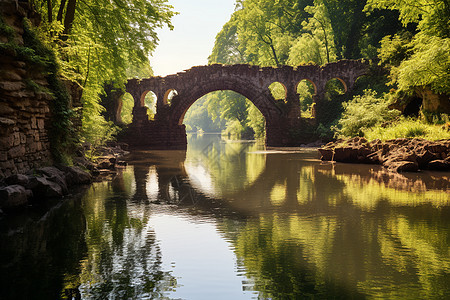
x=148 y=100
x=335 y=87
x=169 y=95
x=278 y=91
x=226 y=112
x=125 y=109
x=306 y=89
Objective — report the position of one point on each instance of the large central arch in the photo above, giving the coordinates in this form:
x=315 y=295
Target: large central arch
x=167 y=131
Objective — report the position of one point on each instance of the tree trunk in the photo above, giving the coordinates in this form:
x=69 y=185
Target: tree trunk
x=59 y=17
x=70 y=15
x=50 y=11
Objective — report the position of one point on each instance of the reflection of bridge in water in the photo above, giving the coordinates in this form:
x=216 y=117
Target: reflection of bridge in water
x=283 y=183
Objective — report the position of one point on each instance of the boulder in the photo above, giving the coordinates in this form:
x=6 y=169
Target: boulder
x=19 y=179
x=402 y=166
x=424 y=156
x=400 y=155
x=55 y=175
x=83 y=162
x=43 y=188
x=13 y=196
x=326 y=154
x=76 y=176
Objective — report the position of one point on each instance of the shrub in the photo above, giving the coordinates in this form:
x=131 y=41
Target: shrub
x=363 y=112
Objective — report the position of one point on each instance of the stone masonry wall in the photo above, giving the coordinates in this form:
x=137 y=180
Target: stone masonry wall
x=24 y=106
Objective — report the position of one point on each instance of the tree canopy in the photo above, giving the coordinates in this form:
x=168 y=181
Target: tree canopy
x=102 y=41
x=409 y=37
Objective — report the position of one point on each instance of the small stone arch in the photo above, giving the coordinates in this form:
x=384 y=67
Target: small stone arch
x=310 y=81
x=276 y=90
x=341 y=81
x=336 y=81
x=263 y=101
x=306 y=91
x=124 y=112
x=168 y=96
x=149 y=100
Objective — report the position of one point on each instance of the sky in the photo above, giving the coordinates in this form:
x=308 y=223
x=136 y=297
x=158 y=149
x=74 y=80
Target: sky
x=192 y=40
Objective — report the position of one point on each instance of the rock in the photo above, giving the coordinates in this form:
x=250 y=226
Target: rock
x=439 y=165
x=83 y=162
x=7 y=122
x=121 y=163
x=19 y=179
x=402 y=166
x=43 y=188
x=123 y=146
x=76 y=176
x=393 y=154
x=13 y=196
x=346 y=154
x=107 y=162
x=55 y=175
x=326 y=154
x=424 y=156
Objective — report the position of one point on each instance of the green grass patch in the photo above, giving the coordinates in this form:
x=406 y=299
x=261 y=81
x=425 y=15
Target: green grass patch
x=408 y=128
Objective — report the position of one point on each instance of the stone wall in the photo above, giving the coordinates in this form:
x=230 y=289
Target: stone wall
x=24 y=104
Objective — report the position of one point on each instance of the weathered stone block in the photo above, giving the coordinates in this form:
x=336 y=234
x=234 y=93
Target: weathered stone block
x=11 y=75
x=12 y=85
x=13 y=196
x=16 y=151
x=5 y=109
x=3 y=155
x=40 y=123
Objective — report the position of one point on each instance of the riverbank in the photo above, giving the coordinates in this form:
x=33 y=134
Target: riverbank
x=397 y=155
x=53 y=182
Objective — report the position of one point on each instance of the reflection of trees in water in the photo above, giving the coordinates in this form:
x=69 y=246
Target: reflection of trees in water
x=229 y=164
x=324 y=240
x=324 y=230
x=123 y=258
x=318 y=230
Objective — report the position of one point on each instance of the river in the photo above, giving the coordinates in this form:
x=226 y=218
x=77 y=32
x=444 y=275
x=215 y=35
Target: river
x=233 y=220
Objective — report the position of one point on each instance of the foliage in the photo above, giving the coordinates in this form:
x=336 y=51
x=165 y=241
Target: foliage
x=410 y=38
x=305 y=90
x=101 y=41
x=363 y=112
x=422 y=60
x=256 y=121
x=127 y=108
x=432 y=16
x=428 y=66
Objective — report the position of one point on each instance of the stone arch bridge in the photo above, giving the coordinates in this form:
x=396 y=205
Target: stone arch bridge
x=167 y=131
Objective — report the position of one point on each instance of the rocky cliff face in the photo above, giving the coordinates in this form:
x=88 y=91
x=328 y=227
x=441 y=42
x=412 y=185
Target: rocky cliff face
x=24 y=98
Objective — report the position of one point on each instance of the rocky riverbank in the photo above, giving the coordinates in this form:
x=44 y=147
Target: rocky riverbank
x=397 y=155
x=20 y=190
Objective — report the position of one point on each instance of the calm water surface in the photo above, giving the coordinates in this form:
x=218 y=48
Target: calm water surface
x=231 y=220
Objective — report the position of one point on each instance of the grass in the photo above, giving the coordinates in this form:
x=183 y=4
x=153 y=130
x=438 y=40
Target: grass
x=408 y=128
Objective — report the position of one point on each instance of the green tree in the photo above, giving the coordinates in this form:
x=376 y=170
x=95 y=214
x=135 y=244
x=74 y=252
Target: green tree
x=423 y=60
x=102 y=41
